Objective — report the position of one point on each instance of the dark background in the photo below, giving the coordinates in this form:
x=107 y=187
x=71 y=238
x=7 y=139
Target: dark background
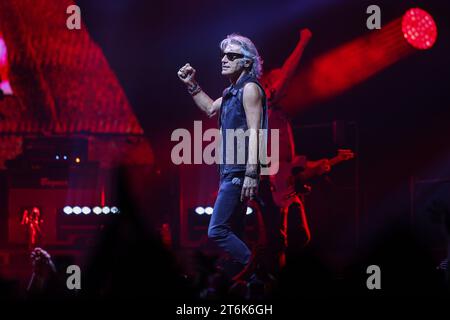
x=401 y=113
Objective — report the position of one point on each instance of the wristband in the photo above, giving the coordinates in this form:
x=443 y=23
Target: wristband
x=253 y=175
x=195 y=89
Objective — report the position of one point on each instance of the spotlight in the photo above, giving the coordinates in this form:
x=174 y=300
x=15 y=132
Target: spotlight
x=68 y=210
x=57 y=157
x=86 y=210
x=209 y=210
x=97 y=210
x=76 y=210
x=114 y=210
x=419 y=28
x=65 y=157
x=200 y=210
x=106 y=210
x=77 y=160
x=249 y=210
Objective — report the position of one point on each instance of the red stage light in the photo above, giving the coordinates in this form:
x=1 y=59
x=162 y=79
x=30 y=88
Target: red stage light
x=419 y=29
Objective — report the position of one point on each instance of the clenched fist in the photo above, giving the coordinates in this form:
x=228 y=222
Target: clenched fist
x=186 y=74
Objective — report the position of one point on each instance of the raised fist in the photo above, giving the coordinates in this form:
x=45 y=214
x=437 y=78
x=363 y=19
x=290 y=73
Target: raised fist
x=186 y=74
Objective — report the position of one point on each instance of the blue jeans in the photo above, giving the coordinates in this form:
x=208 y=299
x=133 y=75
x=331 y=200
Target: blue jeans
x=228 y=219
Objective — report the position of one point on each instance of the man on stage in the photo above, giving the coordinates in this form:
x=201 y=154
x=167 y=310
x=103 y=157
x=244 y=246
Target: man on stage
x=242 y=106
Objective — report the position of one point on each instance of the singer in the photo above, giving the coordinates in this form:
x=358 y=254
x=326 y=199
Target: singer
x=242 y=106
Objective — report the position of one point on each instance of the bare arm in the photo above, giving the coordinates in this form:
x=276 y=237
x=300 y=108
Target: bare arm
x=201 y=99
x=252 y=100
x=206 y=104
x=291 y=63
